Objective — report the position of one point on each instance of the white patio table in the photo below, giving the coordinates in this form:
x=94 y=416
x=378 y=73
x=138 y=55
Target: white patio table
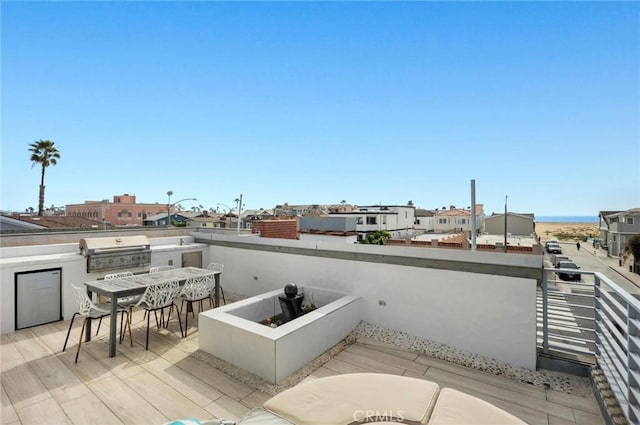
x=136 y=284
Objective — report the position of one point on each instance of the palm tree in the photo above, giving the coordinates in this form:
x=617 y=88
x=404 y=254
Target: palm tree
x=45 y=153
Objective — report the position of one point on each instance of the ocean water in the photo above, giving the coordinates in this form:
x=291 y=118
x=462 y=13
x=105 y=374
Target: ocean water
x=567 y=219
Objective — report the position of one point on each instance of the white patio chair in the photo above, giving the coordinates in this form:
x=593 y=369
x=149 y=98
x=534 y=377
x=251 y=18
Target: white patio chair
x=126 y=302
x=157 y=269
x=160 y=269
x=195 y=289
x=159 y=296
x=218 y=268
x=90 y=310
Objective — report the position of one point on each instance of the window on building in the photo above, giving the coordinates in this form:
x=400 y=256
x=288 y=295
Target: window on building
x=139 y=214
x=372 y=220
x=128 y=214
x=442 y=221
x=119 y=214
x=463 y=221
x=359 y=220
x=629 y=220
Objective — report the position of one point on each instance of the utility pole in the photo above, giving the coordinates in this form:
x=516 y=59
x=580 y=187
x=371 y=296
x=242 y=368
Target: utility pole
x=505 y=223
x=473 y=215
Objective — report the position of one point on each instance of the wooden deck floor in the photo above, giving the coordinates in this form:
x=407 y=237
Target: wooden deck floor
x=42 y=385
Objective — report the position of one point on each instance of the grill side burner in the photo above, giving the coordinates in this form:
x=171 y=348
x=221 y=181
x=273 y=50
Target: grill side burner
x=116 y=252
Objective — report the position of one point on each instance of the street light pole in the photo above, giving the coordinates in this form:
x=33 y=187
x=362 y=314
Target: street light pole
x=174 y=204
x=169 y=193
x=239 y=211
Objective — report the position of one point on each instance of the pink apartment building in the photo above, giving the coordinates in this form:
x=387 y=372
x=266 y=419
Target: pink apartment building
x=123 y=211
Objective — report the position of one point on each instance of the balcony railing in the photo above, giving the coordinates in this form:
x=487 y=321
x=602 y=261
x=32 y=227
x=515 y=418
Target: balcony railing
x=595 y=320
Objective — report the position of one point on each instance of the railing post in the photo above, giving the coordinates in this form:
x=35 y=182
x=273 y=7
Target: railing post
x=596 y=315
x=632 y=365
x=545 y=313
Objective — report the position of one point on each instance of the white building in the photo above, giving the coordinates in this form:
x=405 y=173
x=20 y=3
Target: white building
x=517 y=224
x=459 y=220
x=425 y=220
x=397 y=220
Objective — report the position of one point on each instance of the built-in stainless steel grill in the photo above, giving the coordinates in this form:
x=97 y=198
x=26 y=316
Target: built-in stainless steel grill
x=115 y=252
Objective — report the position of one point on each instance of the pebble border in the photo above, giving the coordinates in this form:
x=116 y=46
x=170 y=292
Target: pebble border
x=564 y=382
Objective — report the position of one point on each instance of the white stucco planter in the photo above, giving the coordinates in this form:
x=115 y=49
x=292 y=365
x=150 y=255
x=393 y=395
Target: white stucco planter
x=232 y=332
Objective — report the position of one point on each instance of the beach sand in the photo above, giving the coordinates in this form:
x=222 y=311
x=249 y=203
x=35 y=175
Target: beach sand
x=566 y=231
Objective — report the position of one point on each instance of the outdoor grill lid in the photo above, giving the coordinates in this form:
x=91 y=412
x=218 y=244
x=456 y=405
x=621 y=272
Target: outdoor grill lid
x=92 y=246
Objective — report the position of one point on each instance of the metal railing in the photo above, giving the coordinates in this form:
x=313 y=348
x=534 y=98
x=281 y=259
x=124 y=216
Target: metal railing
x=566 y=316
x=617 y=315
x=596 y=321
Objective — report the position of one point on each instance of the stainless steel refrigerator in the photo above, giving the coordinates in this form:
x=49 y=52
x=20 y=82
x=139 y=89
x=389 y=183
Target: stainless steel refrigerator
x=38 y=297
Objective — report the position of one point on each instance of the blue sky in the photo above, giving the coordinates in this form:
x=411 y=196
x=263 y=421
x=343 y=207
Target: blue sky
x=316 y=102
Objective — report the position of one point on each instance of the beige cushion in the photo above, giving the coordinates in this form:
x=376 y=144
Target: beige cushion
x=457 y=408
x=350 y=398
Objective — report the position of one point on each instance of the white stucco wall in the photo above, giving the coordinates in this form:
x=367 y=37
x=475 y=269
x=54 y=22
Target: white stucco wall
x=425 y=223
x=481 y=313
x=328 y=238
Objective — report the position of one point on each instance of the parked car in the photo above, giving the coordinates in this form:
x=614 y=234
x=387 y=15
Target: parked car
x=551 y=241
x=554 y=248
x=556 y=258
x=568 y=275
